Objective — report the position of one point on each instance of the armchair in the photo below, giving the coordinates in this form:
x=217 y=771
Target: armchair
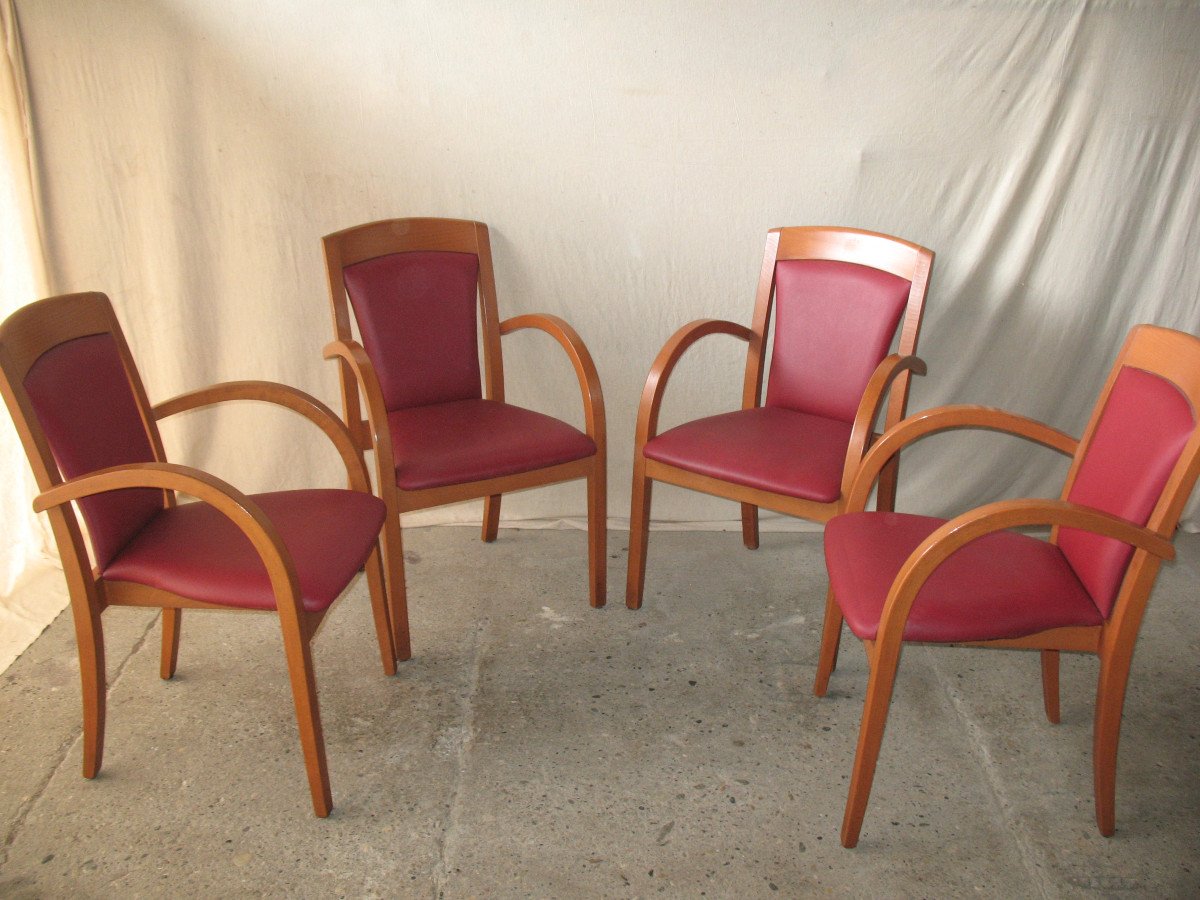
x=93 y=443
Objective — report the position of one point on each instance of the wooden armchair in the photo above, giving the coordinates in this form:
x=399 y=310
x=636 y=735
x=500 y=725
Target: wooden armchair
x=415 y=288
x=839 y=296
x=92 y=440
x=897 y=578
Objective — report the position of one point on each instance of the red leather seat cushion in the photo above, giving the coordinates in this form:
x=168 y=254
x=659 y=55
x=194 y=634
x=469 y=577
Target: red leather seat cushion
x=194 y=551
x=469 y=440
x=769 y=448
x=1004 y=585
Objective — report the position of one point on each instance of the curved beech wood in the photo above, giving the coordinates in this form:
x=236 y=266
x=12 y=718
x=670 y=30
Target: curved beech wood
x=948 y=418
x=863 y=430
x=647 y=427
x=378 y=438
x=596 y=429
x=884 y=652
x=281 y=395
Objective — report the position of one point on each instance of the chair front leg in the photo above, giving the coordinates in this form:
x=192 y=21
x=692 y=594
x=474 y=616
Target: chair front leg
x=89 y=638
x=831 y=638
x=308 y=716
x=750 y=526
x=491 y=517
x=597 y=492
x=1050 y=685
x=171 y=620
x=639 y=532
x=376 y=584
x=870 y=737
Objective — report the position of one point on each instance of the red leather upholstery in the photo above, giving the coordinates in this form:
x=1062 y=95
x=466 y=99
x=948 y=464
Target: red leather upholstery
x=834 y=323
x=469 y=440
x=1004 y=585
x=769 y=448
x=1141 y=433
x=417 y=316
x=82 y=398
x=194 y=551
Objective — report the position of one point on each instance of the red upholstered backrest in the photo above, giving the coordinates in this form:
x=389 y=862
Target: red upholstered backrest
x=834 y=323
x=87 y=410
x=1142 y=430
x=416 y=312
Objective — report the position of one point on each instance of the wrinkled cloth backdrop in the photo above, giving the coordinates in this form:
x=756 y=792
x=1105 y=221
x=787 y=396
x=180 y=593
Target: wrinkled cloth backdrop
x=629 y=159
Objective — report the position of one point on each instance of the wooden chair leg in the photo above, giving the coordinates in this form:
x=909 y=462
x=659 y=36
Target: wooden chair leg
x=597 y=489
x=639 y=533
x=397 y=595
x=383 y=620
x=1050 y=684
x=1110 y=702
x=831 y=638
x=750 y=526
x=89 y=638
x=491 y=517
x=870 y=737
x=171 y=620
x=308 y=718
x=885 y=491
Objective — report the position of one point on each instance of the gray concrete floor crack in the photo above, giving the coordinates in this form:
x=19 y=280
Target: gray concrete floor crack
x=1031 y=858
x=61 y=752
x=462 y=735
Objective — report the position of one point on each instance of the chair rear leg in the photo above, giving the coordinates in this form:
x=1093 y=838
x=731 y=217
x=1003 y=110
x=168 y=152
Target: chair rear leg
x=639 y=533
x=1110 y=701
x=383 y=620
x=1050 y=684
x=171 y=620
x=397 y=594
x=870 y=737
x=750 y=526
x=89 y=637
x=831 y=638
x=308 y=718
x=597 y=490
x=491 y=517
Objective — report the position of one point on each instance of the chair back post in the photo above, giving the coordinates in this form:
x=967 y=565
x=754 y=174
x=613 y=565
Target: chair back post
x=489 y=317
x=756 y=353
x=343 y=331
x=910 y=330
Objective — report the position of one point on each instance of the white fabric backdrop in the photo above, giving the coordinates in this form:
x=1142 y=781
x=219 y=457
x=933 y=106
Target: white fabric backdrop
x=629 y=159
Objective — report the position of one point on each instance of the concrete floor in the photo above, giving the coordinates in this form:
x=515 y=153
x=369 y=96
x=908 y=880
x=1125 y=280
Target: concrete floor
x=534 y=747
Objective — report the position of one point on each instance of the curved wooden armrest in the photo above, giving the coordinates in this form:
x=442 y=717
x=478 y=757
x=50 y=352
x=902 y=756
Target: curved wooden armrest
x=222 y=496
x=576 y=350
x=889 y=369
x=971 y=526
x=947 y=418
x=664 y=364
x=281 y=395
x=353 y=355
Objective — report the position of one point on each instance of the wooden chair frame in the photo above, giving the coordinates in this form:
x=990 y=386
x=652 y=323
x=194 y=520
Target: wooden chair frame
x=360 y=387
x=1149 y=348
x=890 y=380
x=24 y=337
